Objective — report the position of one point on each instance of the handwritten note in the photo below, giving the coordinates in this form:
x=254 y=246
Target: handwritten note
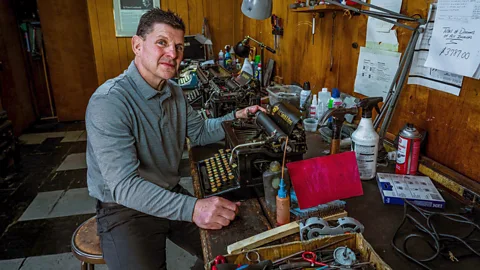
x=455 y=37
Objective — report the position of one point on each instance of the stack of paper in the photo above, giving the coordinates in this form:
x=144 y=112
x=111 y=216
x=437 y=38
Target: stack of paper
x=379 y=60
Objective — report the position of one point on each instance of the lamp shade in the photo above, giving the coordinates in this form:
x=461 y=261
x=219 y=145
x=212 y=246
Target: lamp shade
x=257 y=9
x=242 y=49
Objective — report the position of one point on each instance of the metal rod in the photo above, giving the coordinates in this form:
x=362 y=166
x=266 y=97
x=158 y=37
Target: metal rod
x=243 y=145
x=379 y=15
x=393 y=85
x=256 y=41
x=382 y=9
x=401 y=82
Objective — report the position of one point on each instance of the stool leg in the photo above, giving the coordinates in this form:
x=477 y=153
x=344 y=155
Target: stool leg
x=91 y=266
x=84 y=266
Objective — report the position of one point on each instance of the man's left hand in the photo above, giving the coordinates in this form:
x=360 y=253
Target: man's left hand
x=243 y=113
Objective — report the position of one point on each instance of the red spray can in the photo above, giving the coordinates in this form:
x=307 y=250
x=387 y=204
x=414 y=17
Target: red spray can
x=408 y=150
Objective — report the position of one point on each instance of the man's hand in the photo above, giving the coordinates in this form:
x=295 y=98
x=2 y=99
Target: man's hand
x=252 y=109
x=214 y=213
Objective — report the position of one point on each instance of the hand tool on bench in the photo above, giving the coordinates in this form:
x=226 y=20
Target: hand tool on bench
x=272 y=235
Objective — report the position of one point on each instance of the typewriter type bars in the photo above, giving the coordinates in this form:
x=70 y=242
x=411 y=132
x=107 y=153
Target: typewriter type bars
x=217 y=176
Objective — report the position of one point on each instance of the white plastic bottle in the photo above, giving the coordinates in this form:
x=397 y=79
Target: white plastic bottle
x=323 y=98
x=221 y=58
x=335 y=101
x=365 y=140
x=313 y=107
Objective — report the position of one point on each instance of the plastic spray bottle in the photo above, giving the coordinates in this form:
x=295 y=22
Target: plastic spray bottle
x=283 y=204
x=365 y=139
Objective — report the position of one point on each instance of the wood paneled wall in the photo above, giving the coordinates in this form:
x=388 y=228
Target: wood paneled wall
x=452 y=123
x=112 y=54
x=69 y=54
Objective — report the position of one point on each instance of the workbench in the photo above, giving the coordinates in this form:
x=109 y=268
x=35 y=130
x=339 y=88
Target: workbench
x=380 y=220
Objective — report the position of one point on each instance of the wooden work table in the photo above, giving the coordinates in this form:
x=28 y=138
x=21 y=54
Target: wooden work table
x=380 y=221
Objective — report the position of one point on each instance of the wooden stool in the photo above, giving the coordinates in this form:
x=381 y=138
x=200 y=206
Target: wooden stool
x=86 y=245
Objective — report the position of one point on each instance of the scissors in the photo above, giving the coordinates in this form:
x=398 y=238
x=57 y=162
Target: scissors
x=311 y=257
x=218 y=260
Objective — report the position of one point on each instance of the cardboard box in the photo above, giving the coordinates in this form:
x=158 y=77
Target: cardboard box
x=418 y=189
x=354 y=241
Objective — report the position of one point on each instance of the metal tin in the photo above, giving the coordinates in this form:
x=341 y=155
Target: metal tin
x=408 y=150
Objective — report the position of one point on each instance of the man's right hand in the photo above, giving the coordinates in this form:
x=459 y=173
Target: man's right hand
x=214 y=213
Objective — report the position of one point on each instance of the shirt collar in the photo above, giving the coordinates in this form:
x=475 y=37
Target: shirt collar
x=145 y=89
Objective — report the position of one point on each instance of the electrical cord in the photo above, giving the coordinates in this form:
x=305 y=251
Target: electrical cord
x=440 y=240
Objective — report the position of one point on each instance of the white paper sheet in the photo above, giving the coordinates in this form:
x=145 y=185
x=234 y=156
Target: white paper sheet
x=431 y=77
x=382 y=41
x=382 y=26
x=379 y=33
x=127 y=14
x=454 y=45
x=375 y=71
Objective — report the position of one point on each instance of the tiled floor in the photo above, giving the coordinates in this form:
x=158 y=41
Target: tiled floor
x=47 y=199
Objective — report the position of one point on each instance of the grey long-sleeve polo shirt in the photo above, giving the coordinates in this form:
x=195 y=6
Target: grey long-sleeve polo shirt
x=136 y=136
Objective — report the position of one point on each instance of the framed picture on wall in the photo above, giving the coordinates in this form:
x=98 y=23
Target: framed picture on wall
x=127 y=14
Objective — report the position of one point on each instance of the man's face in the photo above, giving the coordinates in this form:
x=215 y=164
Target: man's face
x=161 y=52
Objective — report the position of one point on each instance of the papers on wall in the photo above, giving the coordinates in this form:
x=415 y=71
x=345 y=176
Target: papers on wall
x=392 y=5
x=375 y=71
x=431 y=77
x=455 y=38
x=382 y=41
x=379 y=33
x=127 y=14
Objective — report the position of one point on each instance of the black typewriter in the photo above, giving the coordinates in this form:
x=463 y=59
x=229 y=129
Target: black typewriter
x=251 y=145
x=217 y=175
x=223 y=93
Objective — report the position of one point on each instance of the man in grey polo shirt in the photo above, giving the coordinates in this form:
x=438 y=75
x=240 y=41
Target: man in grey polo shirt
x=137 y=124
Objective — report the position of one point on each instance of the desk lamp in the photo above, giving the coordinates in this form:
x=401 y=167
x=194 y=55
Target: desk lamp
x=257 y=9
x=242 y=49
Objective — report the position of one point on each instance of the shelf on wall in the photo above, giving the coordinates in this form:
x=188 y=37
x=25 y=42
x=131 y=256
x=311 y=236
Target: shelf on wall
x=318 y=8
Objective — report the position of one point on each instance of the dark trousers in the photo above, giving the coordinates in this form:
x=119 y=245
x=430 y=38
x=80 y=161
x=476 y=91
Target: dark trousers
x=134 y=240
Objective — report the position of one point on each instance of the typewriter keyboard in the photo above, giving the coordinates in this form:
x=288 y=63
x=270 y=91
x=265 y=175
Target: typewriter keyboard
x=217 y=175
